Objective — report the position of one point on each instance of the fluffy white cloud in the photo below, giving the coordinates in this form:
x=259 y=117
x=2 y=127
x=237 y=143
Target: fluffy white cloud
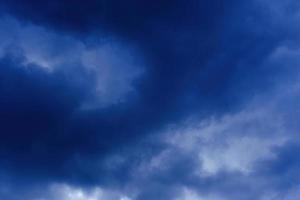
x=234 y=142
x=189 y=194
x=68 y=192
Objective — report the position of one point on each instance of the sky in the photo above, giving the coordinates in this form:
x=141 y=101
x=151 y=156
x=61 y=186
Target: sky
x=149 y=100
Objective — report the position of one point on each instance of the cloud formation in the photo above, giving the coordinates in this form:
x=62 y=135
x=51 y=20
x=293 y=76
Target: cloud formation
x=144 y=100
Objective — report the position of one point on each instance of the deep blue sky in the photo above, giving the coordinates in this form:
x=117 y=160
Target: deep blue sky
x=149 y=100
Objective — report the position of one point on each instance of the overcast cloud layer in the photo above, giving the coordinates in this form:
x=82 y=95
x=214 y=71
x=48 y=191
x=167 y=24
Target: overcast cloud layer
x=149 y=100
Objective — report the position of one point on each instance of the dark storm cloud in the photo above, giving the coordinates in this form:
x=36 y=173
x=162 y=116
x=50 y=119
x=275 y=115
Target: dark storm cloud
x=203 y=58
x=35 y=112
x=126 y=16
x=184 y=43
x=196 y=56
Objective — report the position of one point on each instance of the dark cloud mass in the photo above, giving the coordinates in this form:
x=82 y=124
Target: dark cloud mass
x=125 y=16
x=138 y=100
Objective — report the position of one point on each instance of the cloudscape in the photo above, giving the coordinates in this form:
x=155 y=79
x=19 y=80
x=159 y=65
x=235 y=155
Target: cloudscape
x=149 y=100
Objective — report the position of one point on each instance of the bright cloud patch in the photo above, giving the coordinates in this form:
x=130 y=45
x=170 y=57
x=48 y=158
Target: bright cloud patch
x=66 y=192
x=232 y=143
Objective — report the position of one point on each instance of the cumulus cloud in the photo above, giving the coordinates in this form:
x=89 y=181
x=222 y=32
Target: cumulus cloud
x=66 y=192
x=225 y=158
x=61 y=191
x=231 y=143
